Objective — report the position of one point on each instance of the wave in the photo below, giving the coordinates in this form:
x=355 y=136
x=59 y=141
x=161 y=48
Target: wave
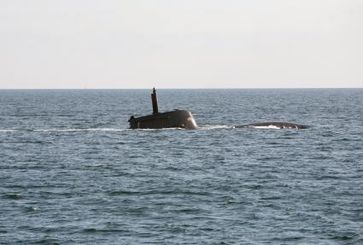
x=209 y=127
x=265 y=127
x=66 y=130
x=203 y=127
x=80 y=130
x=274 y=125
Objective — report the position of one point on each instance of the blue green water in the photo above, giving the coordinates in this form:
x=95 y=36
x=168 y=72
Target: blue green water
x=71 y=171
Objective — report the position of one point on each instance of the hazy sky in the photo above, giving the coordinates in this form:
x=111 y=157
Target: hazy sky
x=181 y=43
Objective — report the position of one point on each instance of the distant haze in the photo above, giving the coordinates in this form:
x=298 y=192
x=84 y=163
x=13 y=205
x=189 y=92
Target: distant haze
x=181 y=43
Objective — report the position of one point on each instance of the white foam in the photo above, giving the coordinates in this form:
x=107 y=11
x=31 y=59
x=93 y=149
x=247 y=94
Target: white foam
x=266 y=127
x=7 y=130
x=80 y=130
x=66 y=130
x=204 y=127
x=209 y=127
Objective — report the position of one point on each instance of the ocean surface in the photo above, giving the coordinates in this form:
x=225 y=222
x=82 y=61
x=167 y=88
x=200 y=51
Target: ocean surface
x=71 y=172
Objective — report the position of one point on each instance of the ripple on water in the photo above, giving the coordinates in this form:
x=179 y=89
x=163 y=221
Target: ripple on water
x=73 y=173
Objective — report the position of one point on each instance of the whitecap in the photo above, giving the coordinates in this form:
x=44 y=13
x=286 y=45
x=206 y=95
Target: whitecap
x=209 y=127
x=79 y=130
x=8 y=130
x=266 y=127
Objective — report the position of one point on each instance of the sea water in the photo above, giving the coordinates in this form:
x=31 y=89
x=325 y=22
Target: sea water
x=71 y=172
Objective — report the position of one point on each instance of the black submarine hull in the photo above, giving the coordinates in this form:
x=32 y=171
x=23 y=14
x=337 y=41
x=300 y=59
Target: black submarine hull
x=170 y=119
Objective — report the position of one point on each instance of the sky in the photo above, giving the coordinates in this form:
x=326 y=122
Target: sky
x=89 y=44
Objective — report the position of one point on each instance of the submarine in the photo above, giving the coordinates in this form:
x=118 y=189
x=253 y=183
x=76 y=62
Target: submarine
x=157 y=120
x=184 y=119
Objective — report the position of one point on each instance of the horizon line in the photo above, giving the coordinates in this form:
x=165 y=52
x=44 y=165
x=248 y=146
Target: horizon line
x=219 y=88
